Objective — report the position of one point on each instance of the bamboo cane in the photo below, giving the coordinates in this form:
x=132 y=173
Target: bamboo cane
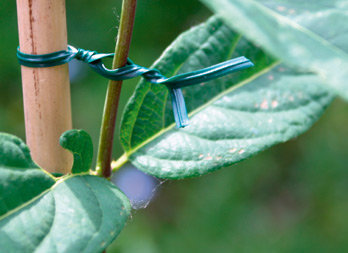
x=46 y=91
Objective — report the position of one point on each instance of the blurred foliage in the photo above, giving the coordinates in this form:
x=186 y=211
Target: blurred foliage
x=291 y=198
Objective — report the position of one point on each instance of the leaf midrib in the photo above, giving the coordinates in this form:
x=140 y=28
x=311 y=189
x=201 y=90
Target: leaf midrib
x=229 y=54
x=176 y=70
x=121 y=161
x=27 y=203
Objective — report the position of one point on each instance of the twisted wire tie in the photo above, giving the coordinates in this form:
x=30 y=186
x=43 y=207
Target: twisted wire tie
x=131 y=70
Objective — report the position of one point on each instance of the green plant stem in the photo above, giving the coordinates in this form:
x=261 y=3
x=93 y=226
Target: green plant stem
x=114 y=89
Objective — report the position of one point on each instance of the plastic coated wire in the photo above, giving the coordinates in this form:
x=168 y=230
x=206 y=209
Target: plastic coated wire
x=131 y=70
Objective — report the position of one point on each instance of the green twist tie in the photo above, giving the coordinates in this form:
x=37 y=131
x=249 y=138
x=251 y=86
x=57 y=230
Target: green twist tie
x=131 y=70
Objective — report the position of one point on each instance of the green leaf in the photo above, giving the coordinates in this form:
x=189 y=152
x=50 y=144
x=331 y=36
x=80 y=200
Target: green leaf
x=311 y=35
x=76 y=213
x=80 y=144
x=231 y=118
x=20 y=178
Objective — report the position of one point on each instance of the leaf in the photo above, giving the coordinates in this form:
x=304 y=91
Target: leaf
x=80 y=144
x=20 y=178
x=232 y=118
x=77 y=213
x=311 y=35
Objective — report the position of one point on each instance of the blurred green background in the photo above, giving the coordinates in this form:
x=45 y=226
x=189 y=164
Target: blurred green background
x=290 y=198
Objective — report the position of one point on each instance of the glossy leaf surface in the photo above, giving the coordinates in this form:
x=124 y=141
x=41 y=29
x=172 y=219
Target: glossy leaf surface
x=231 y=119
x=76 y=213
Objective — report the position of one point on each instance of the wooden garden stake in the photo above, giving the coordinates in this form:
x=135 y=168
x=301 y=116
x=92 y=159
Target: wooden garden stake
x=46 y=91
